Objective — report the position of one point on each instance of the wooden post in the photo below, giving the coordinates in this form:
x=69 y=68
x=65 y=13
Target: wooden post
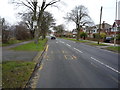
x=100 y=25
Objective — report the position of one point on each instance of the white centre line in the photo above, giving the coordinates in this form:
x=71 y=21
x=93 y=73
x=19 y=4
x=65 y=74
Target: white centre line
x=78 y=50
x=62 y=42
x=68 y=45
x=105 y=65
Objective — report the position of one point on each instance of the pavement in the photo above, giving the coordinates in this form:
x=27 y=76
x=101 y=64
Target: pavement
x=110 y=44
x=69 y=64
x=11 y=55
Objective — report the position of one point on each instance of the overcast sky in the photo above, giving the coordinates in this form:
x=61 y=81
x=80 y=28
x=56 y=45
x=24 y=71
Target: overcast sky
x=9 y=12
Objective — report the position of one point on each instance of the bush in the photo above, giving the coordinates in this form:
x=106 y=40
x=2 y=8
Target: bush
x=102 y=35
x=22 y=33
x=83 y=35
x=95 y=35
x=118 y=37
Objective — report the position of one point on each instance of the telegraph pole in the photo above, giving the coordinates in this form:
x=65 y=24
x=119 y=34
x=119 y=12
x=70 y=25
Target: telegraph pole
x=115 y=25
x=100 y=24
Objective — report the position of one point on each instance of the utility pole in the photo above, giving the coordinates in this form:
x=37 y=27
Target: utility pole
x=115 y=25
x=100 y=24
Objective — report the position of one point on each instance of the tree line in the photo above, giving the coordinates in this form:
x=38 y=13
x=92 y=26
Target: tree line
x=45 y=20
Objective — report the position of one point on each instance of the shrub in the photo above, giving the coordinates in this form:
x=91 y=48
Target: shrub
x=83 y=35
x=102 y=35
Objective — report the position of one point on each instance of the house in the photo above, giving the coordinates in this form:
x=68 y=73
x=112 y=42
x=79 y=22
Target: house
x=105 y=28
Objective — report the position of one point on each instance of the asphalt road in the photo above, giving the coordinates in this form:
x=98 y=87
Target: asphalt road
x=67 y=64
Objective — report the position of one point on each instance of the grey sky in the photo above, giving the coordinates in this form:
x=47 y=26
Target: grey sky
x=9 y=12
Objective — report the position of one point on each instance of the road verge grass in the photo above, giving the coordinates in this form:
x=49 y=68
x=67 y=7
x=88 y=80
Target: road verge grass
x=96 y=44
x=15 y=74
x=114 y=48
x=11 y=42
x=31 y=46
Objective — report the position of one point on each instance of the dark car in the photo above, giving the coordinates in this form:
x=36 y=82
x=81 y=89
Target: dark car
x=53 y=37
x=107 y=39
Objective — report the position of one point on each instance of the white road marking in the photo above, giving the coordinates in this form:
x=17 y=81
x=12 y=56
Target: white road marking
x=56 y=42
x=68 y=45
x=78 y=50
x=105 y=65
x=62 y=42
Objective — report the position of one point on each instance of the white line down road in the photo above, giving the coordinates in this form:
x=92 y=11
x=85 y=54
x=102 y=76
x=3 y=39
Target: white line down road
x=78 y=50
x=105 y=65
x=68 y=45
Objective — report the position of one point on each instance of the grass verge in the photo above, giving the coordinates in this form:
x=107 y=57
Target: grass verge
x=11 y=42
x=95 y=44
x=15 y=74
x=88 y=42
x=112 y=48
x=31 y=46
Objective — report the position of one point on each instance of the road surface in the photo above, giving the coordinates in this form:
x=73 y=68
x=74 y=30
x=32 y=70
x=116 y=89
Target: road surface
x=68 y=64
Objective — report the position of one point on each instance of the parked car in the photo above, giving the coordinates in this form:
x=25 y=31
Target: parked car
x=108 y=39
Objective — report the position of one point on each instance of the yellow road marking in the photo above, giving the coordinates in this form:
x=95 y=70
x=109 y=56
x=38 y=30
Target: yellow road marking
x=65 y=56
x=47 y=48
x=41 y=67
x=63 y=51
x=74 y=57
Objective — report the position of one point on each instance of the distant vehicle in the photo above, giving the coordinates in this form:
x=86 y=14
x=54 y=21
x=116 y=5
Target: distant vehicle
x=53 y=37
x=108 y=39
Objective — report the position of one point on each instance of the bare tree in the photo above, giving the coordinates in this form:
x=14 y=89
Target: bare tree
x=47 y=23
x=32 y=5
x=59 y=29
x=21 y=32
x=79 y=15
x=5 y=31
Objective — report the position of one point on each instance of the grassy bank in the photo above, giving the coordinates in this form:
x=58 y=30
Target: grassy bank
x=96 y=44
x=15 y=74
x=11 y=42
x=31 y=46
x=112 y=48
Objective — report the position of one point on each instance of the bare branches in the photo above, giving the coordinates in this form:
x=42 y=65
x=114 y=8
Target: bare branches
x=27 y=6
x=51 y=3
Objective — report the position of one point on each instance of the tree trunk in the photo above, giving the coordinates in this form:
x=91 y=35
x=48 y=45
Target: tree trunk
x=78 y=33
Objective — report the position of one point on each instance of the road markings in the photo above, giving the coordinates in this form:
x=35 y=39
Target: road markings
x=105 y=65
x=65 y=56
x=41 y=67
x=78 y=50
x=56 y=42
x=62 y=42
x=114 y=79
x=74 y=57
x=68 y=45
x=47 y=48
x=63 y=51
